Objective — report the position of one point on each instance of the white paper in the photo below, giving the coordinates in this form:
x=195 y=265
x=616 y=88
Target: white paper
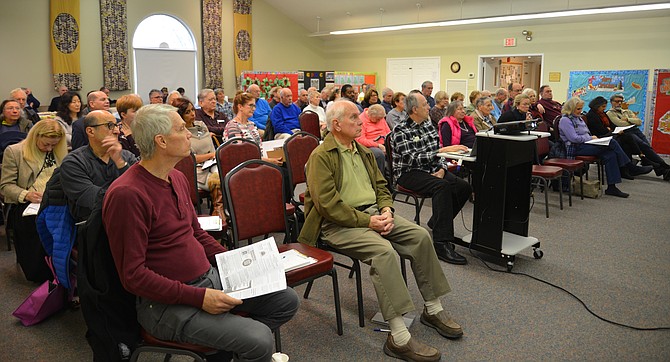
x=210 y=223
x=605 y=141
x=293 y=259
x=32 y=209
x=252 y=270
x=209 y=163
x=621 y=129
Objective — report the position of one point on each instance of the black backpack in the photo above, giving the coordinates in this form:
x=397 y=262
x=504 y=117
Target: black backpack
x=108 y=309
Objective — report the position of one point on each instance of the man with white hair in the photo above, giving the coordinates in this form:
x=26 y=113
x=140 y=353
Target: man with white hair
x=285 y=115
x=348 y=205
x=165 y=257
x=302 y=101
x=20 y=96
x=207 y=113
x=499 y=102
x=55 y=101
x=263 y=110
x=387 y=99
x=426 y=90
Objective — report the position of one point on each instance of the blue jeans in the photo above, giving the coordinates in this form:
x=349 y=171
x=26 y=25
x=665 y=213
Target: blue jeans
x=612 y=155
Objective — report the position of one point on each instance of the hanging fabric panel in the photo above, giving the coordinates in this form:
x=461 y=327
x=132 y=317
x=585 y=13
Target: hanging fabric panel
x=64 y=28
x=242 y=26
x=114 y=28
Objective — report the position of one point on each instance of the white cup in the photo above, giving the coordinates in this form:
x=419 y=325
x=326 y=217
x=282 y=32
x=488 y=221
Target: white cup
x=279 y=357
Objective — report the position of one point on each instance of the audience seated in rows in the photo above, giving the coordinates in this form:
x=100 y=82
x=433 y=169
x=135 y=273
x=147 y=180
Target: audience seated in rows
x=26 y=111
x=302 y=100
x=69 y=110
x=373 y=133
x=371 y=97
x=53 y=106
x=499 y=102
x=397 y=114
x=438 y=111
x=483 y=117
x=552 y=109
x=519 y=110
x=387 y=99
x=514 y=89
x=31 y=101
x=285 y=115
x=126 y=106
x=97 y=101
x=348 y=93
x=262 y=112
x=222 y=104
x=457 y=128
x=208 y=114
x=427 y=90
x=11 y=119
x=536 y=110
x=274 y=97
x=474 y=96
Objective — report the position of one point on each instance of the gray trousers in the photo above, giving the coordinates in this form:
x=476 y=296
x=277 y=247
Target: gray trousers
x=248 y=337
x=379 y=252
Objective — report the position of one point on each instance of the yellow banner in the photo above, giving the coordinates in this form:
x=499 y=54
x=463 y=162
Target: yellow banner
x=65 y=31
x=242 y=27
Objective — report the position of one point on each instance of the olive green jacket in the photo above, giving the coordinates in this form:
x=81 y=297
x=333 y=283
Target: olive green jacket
x=324 y=181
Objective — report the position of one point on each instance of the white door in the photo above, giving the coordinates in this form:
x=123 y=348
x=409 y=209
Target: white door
x=405 y=74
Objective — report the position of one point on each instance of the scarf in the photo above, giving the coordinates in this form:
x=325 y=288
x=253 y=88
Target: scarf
x=604 y=119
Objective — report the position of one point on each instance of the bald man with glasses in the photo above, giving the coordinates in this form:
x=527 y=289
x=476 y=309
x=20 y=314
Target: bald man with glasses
x=87 y=171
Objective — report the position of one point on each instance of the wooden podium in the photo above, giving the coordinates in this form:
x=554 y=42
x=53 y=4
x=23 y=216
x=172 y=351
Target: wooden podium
x=501 y=182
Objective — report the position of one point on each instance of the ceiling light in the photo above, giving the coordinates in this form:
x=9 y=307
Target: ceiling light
x=498 y=19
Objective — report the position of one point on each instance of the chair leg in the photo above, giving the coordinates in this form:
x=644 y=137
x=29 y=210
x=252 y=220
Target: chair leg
x=570 y=175
x=308 y=289
x=336 y=297
x=359 y=293
x=546 y=195
x=560 y=194
x=277 y=339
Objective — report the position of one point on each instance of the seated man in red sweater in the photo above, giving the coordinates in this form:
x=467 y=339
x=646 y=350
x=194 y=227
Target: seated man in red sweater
x=373 y=133
x=165 y=258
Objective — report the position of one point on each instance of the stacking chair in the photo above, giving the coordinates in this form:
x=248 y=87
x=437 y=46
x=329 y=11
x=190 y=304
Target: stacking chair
x=297 y=150
x=568 y=165
x=309 y=122
x=188 y=167
x=409 y=197
x=151 y=344
x=589 y=160
x=542 y=173
x=255 y=214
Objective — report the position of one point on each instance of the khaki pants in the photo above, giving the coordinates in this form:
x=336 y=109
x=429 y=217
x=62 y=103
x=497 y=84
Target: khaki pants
x=379 y=252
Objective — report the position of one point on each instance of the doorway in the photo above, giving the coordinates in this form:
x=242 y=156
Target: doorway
x=498 y=71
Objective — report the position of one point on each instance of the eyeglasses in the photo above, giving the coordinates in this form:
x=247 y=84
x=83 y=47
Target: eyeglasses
x=110 y=125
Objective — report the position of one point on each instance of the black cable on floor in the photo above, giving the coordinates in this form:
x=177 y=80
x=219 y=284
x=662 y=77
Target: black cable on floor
x=572 y=295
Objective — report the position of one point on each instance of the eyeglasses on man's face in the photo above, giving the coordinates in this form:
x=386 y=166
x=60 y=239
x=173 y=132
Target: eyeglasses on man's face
x=110 y=125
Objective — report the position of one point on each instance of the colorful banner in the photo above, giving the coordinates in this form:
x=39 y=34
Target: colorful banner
x=242 y=31
x=311 y=78
x=631 y=83
x=660 y=133
x=113 y=26
x=211 y=43
x=267 y=80
x=64 y=24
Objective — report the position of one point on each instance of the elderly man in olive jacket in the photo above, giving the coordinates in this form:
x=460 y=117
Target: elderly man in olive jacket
x=348 y=205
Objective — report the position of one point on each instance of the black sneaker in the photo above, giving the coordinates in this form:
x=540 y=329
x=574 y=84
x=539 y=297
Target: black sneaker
x=614 y=191
x=446 y=253
x=640 y=170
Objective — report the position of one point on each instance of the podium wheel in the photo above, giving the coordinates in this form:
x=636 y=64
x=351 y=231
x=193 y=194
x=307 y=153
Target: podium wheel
x=538 y=254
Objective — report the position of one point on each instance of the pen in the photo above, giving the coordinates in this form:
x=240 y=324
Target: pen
x=382 y=330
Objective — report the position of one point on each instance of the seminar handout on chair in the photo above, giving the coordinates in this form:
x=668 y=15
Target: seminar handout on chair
x=253 y=270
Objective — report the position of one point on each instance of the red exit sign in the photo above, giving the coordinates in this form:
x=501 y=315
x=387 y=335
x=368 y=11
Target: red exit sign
x=510 y=42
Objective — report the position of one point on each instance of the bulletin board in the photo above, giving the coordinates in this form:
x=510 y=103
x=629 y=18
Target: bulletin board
x=267 y=80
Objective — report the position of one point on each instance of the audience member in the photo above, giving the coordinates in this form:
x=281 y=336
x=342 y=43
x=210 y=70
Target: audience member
x=53 y=106
x=222 y=104
x=208 y=114
x=371 y=97
x=32 y=102
x=552 y=109
x=514 y=90
x=349 y=93
x=457 y=128
x=536 y=110
x=457 y=96
x=440 y=109
x=26 y=168
x=373 y=133
x=26 y=112
x=106 y=91
x=353 y=212
x=263 y=110
x=417 y=167
x=519 y=111
x=87 y=171
x=397 y=114
x=164 y=93
x=181 y=91
x=127 y=106
x=575 y=133
x=155 y=96
x=302 y=100
x=625 y=117
x=274 y=97
x=285 y=116
x=474 y=96
x=69 y=110
x=387 y=99
x=203 y=148
x=172 y=96
x=483 y=117
x=166 y=260
x=499 y=102
x=426 y=90
x=97 y=101
x=11 y=119
x=325 y=96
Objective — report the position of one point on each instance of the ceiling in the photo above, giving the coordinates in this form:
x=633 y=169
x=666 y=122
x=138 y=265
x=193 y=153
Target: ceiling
x=321 y=17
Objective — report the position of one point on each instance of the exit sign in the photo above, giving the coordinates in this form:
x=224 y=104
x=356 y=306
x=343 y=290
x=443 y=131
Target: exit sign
x=510 y=42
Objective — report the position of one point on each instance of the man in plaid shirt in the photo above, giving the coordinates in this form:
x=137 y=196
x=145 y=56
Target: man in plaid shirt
x=418 y=168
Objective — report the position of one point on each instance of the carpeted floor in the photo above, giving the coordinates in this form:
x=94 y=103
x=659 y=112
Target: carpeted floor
x=613 y=253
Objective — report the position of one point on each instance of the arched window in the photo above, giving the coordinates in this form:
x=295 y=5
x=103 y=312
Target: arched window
x=165 y=55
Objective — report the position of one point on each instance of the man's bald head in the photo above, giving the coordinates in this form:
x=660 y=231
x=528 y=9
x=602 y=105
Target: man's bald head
x=98 y=101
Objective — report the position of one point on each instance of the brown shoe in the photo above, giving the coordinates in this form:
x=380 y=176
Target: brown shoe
x=442 y=323
x=412 y=351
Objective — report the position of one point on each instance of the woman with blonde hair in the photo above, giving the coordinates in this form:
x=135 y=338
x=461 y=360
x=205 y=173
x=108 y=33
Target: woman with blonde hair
x=440 y=109
x=26 y=168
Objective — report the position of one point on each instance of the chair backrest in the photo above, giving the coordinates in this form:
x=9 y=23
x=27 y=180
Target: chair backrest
x=388 y=144
x=309 y=122
x=9 y=138
x=297 y=150
x=255 y=200
x=542 y=144
x=235 y=151
x=187 y=167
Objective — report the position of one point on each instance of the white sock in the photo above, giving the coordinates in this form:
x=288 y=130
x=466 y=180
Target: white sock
x=433 y=306
x=399 y=331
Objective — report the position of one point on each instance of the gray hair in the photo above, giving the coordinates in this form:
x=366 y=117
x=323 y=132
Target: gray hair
x=482 y=101
x=313 y=93
x=150 y=121
x=219 y=90
x=439 y=96
x=616 y=96
x=203 y=93
x=376 y=110
x=501 y=91
x=528 y=92
x=411 y=101
x=336 y=111
x=570 y=105
x=386 y=91
x=425 y=84
x=451 y=108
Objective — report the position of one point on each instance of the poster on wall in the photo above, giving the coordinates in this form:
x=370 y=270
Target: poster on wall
x=356 y=79
x=313 y=78
x=660 y=133
x=267 y=80
x=631 y=83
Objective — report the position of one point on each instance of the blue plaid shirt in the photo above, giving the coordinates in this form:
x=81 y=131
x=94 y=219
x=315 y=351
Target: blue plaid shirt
x=415 y=147
x=225 y=108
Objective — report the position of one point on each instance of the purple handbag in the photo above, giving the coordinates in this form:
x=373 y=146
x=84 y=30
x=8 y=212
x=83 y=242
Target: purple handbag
x=46 y=300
